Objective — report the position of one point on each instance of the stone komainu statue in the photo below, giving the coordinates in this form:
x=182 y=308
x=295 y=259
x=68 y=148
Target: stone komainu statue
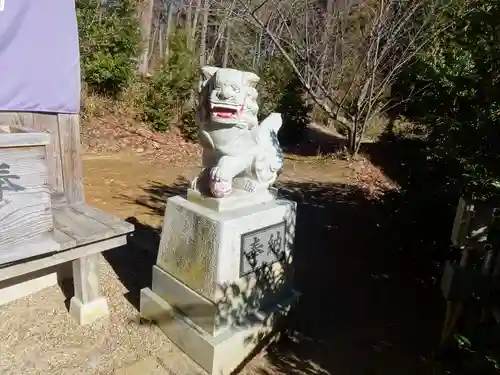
x=238 y=152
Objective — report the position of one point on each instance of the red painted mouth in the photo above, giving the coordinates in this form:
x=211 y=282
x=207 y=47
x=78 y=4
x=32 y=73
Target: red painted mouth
x=226 y=113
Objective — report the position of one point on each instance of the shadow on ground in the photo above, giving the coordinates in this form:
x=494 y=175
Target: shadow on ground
x=367 y=269
x=317 y=141
x=134 y=264
x=366 y=307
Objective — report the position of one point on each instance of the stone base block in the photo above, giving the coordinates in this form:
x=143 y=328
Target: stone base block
x=236 y=302
x=87 y=313
x=209 y=251
x=222 y=277
x=223 y=353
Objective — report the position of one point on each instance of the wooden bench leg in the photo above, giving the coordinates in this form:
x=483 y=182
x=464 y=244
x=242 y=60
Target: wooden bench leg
x=87 y=305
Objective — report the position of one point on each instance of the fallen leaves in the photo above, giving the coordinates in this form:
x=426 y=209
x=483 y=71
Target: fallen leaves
x=111 y=134
x=371 y=178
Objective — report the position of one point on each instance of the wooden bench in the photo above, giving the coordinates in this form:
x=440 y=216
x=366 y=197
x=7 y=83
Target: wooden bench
x=82 y=230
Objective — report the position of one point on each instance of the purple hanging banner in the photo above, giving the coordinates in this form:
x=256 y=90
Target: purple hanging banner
x=39 y=56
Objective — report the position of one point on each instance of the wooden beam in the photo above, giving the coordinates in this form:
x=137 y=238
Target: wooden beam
x=21 y=136
x=62 y=257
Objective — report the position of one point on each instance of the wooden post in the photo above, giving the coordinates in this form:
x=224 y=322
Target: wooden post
x=86 y=276
x=71 y=157
x=87 y=305
x=453 y=308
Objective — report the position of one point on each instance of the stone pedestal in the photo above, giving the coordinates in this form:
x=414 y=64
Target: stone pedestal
x=222 y=279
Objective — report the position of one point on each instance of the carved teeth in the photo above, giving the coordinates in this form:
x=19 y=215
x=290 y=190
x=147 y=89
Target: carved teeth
x=223 y=106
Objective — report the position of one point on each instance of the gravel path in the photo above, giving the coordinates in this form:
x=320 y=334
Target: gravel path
x=39 y=336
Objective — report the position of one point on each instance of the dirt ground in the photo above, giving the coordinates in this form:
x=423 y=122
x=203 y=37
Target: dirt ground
x=362 y=312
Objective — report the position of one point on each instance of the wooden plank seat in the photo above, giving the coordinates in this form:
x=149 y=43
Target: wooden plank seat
x=83 y=232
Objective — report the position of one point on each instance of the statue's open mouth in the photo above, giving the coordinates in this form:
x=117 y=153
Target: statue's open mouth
x=226 y=111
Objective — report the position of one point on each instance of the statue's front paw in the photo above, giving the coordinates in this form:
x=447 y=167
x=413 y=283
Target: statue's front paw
x=219 y=187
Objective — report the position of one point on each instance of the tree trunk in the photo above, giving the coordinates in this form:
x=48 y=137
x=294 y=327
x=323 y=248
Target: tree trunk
x=351 y=141
x=146 y=10
x=227 y=46
x=168 y=28
x=195 y=21
x=256 y=55
x=189 y=22
x=161 y=40
x=203 y=34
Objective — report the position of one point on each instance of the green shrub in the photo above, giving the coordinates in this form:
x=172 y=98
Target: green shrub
x=188 y=126
x=457 y=76
x=281 y=91
x=295 y=112
x=171 y=88
x=274 y=77
x=110 y=41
